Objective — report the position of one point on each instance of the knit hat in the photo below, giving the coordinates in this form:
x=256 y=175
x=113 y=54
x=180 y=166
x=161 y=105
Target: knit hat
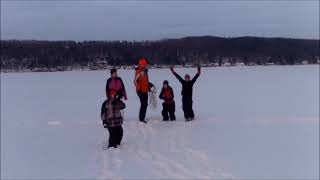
x=143 y=62
x=165 y=82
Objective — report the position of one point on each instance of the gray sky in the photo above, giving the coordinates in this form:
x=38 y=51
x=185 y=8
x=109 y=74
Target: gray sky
x=142 y=20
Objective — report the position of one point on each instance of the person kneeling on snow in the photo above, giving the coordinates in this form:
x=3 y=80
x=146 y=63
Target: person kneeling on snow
x=187 y=86
x=112 y=118
x=168 y=105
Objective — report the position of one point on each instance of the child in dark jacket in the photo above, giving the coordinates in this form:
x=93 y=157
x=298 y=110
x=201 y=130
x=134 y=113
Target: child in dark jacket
x=187 y=86
x=112 y=119
x=168 y=105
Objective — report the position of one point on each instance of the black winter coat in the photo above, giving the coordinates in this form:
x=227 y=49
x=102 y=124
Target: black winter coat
x=187 y=86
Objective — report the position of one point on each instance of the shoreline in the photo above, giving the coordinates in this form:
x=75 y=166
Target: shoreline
x=69 y=69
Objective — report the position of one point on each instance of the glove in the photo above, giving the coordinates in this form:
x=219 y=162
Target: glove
x=150 y=86
x=199 y=69
x=105 y=123
x=172 y=70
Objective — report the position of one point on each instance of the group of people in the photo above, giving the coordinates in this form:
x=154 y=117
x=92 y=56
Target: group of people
x=115 y=91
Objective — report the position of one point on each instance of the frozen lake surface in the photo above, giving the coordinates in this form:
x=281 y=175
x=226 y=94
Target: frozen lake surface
x=251 y=122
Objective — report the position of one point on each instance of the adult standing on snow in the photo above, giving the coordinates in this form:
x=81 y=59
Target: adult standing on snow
x=115 y=83
x=141 y=82
x=187 y=86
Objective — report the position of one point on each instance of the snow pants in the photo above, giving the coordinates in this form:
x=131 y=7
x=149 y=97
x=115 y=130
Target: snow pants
x=168 y=108
x=143 y=96
x=115 y=137
x=187 y=107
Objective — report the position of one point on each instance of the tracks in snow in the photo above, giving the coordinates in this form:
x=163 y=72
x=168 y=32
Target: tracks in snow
x=158 y=150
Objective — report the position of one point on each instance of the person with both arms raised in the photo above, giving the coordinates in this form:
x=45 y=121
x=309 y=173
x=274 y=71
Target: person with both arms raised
x=187 y=86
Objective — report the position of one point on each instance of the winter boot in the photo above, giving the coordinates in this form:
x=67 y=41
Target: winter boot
x=144 y=121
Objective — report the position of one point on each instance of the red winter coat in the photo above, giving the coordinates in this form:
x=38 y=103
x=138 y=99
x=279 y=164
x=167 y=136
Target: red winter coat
x=141 y=81
x=116 y=85
x=167 y=95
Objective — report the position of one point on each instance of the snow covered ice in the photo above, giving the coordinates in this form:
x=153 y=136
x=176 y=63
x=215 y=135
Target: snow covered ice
x=251 y=122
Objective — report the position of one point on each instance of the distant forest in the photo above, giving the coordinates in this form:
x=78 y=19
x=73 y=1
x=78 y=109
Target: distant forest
x=29 y=54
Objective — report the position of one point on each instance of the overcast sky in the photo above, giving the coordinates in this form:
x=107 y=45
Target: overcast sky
x=142 y=20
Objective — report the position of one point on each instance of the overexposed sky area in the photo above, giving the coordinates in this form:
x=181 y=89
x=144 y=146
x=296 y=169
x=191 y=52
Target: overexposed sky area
x=153 y=20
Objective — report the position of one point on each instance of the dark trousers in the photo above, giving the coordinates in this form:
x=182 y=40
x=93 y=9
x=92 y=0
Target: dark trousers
x=187 y=107
x=168 y=108
x=143 y=96
x=115 y=137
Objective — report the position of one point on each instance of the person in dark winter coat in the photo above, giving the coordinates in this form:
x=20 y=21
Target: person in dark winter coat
x=115 y=83
x=142 y=84
x=168 y=105
x=112 y=119
x=187 y=86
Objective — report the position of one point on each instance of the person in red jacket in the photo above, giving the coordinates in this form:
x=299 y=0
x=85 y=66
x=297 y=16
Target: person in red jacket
x=115 y=83
x=168 y=105
x=141 y=81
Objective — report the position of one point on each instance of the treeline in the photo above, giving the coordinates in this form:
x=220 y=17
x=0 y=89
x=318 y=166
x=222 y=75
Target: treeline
x=17 y=54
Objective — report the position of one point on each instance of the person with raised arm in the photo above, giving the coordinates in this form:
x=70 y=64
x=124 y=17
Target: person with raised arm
x=187 y=87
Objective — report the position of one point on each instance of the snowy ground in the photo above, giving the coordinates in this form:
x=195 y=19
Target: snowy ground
x=251 y=122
